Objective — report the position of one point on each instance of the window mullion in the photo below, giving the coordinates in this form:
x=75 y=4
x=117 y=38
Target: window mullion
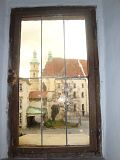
x=65 y=86
x=41 y=126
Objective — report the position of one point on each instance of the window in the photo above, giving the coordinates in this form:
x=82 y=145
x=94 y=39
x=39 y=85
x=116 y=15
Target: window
x=74 y=107
x=58 y=85
x=83 y=110
x=61 y=34
x=44 y=88
x=82 y=106
x=20 y=118
x=44 y=101
x=82 y=85
x=74 y=94
x=34 y=75
x=20 y=103
x=66 y=94
x=74 y=85
x=20 y=86
x=82 y=94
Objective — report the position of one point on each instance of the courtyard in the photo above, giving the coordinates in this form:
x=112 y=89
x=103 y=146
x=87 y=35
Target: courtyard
x=56 y=136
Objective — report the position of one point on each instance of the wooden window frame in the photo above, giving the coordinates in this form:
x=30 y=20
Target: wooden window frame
x=17 y=15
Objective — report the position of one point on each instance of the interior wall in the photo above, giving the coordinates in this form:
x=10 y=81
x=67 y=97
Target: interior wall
x=111 y=10
x=3 y=82
x=5 y=8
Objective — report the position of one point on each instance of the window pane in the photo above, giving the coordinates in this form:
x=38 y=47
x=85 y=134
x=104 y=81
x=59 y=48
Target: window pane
x=76 y=73
x=54 y=132
x=30 y=112
x=53 y=83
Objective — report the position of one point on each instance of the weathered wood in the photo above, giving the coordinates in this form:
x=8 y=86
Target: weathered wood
x=88 y=13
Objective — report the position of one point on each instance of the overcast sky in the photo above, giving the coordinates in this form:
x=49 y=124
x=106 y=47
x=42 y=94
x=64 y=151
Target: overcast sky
x=52 y=41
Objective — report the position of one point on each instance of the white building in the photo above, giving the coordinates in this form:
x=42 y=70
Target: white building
x=24 y=89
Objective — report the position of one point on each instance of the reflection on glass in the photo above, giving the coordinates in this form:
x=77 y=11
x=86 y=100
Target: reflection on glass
x=53 y=83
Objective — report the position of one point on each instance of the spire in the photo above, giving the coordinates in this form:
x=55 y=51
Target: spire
x=34 y=59
x=34 y=54
x=50 y=56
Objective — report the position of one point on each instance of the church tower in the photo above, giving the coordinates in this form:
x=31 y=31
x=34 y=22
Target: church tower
x=34 y=72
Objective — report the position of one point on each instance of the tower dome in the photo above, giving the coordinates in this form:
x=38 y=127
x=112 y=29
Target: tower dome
x=34 y=58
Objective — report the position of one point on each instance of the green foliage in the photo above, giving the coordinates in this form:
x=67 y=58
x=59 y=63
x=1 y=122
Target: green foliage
x=48 y=123
x=54 y=112
x=59 y=124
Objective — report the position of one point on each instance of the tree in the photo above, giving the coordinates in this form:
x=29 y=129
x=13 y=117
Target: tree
x=55 y=111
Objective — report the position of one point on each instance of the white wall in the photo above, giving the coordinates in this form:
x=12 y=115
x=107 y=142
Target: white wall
x=5 y=6
x=111 y=12
x=3 y=80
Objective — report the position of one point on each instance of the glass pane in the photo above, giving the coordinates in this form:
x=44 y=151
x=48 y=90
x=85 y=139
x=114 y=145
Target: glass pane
x=53 y=83
x=30 y=95
x=54 y=132
x=77 y=83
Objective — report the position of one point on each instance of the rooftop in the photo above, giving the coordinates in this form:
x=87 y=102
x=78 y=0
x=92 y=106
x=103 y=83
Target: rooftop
x=74 y=67
x=37 y=95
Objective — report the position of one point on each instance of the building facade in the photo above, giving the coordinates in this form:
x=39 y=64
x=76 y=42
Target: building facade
x=66 y=89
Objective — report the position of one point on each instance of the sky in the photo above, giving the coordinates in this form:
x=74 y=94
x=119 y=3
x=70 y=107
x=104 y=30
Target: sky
x=54 y=37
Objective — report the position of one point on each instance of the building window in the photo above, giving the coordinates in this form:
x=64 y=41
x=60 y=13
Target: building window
x=20 y=103
x=74 y=107
x=82 y=85
x=66 y=94
x=74 y=85
x=44 y=101
x=20 y=86
x=44 y=87
x=82 y=94
x=66 y=85
x=33 y=75
x=65 y=66
x=20 y=118
x=83 y=110
x=58 y=85
x=74 y=94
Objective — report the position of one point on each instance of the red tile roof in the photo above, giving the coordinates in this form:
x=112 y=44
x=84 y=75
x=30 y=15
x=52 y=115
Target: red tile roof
x=37 y=95
x=74 y=67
